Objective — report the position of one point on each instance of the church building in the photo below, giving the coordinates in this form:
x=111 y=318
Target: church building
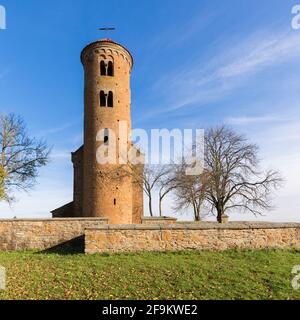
x=107 y=102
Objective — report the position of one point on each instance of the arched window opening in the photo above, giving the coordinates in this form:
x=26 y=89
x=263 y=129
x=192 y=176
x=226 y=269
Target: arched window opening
x=106 y=136
x=115 y=201
x=110 y=100
x=110 y=69
x=102 y=99
x=102 y=68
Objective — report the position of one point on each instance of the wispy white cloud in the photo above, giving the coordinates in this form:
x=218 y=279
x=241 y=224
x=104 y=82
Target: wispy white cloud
x=59 y=129
x=282 y=135
x=262 y=51
x=246 y=120
x=211 y=80
x=60 y=155
x=177 y=35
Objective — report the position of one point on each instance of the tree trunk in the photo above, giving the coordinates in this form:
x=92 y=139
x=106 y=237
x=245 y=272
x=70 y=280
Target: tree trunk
x=150 y=206
x=196 y=212
x=160 y=207
x=220 y=214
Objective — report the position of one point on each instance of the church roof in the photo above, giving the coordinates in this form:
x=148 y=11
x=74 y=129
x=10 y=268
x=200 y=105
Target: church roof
x=80 y=149
x=107 y=40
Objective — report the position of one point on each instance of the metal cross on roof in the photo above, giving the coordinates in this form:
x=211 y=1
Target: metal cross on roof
x=107 y=29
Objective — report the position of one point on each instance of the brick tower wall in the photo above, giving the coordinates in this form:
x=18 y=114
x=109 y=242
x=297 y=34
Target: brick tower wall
x=101 y=197
x=77 y=159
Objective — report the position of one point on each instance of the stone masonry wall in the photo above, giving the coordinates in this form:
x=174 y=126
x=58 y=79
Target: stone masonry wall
x=158 y=220
x=196 y=236
x=42 y=234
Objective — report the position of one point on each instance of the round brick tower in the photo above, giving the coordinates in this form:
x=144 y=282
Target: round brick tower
x=107 y=103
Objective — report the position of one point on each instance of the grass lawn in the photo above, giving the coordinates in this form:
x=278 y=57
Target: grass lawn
x=242 y=274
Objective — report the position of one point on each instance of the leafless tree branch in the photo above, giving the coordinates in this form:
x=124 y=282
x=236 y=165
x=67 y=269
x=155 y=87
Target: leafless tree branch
x=21 y=156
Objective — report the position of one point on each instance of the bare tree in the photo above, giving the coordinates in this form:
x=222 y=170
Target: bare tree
x=166 y=183
x=149 y=179
x=20 y=156
x=2 y=179
x=235 y=180
x=190 y=191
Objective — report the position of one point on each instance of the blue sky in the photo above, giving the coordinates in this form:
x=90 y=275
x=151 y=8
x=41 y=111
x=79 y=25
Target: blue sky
x=197 y=64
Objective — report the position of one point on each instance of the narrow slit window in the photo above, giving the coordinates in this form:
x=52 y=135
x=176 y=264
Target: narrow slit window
x=106 y=136
x=110 y=102
x=110 y=69
x=102 y=68
x=115 y=201
x=102 y=99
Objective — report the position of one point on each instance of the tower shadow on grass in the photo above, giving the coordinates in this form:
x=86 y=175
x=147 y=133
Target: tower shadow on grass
x=73 y=246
